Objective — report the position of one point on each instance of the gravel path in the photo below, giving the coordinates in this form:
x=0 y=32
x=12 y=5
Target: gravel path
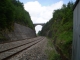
x=37 y=52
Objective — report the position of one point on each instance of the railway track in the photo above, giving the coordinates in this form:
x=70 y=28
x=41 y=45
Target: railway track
x=8 y=50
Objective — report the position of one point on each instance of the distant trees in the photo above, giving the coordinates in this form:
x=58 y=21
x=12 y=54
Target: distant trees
x=39 y=33
x=13 y=11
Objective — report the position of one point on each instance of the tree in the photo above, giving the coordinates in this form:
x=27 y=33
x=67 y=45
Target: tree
x=6 y=14
x=12 y=11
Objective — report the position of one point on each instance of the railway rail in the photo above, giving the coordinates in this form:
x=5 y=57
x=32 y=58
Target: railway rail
x=10 y=49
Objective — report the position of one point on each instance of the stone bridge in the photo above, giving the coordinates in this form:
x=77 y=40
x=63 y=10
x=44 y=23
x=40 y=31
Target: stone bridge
x=42 y=24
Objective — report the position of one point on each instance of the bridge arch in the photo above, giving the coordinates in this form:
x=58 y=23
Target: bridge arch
x=42 y=24
x=38 y=26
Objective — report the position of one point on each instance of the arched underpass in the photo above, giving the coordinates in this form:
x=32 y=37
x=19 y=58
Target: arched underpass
x=38 y=26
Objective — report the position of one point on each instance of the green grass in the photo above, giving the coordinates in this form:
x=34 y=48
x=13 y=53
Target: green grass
x=52 y=54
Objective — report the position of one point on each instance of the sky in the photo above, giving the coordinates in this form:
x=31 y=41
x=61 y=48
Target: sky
x=41 y=10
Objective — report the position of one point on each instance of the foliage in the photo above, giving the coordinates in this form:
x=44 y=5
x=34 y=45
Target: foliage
x=13 y=11
x=52 y=54
x=39 y=33
x=60 y=28
x=6 y=14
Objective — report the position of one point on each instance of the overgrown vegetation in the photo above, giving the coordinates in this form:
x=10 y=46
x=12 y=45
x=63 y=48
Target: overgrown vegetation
x=13 y=11
x=51 y=52
x=60 y=29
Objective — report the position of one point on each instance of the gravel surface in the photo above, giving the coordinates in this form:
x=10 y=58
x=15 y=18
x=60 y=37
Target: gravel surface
x=10 y=45
x=37 y=52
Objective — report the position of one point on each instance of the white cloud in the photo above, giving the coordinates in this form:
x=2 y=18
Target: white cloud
x=39 y=13
x=38 y=28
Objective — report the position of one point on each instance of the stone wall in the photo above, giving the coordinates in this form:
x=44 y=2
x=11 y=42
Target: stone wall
x=21 y=32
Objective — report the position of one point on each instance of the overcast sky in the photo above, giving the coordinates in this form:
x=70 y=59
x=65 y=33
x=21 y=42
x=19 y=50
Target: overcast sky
x=41 y=10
